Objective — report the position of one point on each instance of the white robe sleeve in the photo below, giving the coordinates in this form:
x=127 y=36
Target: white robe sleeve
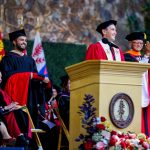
x=145 y=94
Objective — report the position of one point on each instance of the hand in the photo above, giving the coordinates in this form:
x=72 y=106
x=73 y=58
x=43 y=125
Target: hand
x=147 y=46
x=11 y=106
x=46 y=80
x=31 y=75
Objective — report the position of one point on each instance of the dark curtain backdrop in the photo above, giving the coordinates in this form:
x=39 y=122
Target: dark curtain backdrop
x=58 y=56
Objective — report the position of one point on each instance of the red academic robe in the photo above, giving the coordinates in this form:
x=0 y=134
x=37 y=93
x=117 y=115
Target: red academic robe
x=96 y=52
x=10 y=119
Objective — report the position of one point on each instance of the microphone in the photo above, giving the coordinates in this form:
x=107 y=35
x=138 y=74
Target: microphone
x=105 y=41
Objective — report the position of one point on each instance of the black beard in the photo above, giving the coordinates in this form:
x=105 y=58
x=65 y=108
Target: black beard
x=20 y=48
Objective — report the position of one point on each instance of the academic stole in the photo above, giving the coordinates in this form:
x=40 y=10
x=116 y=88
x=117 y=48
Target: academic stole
x=108 y=52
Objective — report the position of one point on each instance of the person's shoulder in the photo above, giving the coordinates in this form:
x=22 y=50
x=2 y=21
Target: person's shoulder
x=29 y=57
x=7 y=56
x=94 y=45
x=127 y=54
x=129 y=57
x=10 y=54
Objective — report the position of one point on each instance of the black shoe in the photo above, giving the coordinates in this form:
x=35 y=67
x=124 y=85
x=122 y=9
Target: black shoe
x=21 y=141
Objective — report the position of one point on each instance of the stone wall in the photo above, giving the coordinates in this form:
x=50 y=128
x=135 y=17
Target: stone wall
x=73 y=21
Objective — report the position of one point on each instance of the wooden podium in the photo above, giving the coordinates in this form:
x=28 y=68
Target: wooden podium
x=103 y=80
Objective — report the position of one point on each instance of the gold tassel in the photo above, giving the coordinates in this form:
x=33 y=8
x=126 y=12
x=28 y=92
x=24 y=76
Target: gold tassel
x=145 y=36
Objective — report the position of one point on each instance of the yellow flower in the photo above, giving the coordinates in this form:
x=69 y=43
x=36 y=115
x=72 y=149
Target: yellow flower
x=141 y=136
x=109 y=129
x=148 y=140
x=106 y=123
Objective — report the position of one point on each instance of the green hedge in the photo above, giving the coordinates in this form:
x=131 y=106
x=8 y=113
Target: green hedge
x=58 y=56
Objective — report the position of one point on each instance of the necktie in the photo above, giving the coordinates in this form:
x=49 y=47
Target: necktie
x=113 y=53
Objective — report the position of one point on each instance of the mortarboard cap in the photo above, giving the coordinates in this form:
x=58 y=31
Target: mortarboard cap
x=104 y=25
x=135 y=36
x=14 y=35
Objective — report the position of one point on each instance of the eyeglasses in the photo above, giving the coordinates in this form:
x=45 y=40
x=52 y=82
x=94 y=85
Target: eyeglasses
x=141 y=43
